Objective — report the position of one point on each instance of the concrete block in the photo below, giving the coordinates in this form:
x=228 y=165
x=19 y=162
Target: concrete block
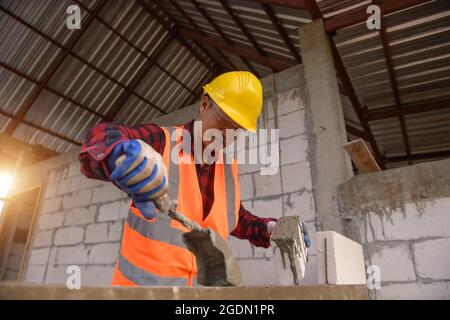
x=287 y=102
x=17 y=249
x=68 y=236
x=266 y=274
x=414 y=291
x=267 y=208
x=78 y=216
x=107 y=193
x=81 y=183
x=113 y=211
x=246 y=185
x=103 y=232
x=51 y=205
x=43 y=239
x=64 y=186
x=53 y=254
x=57 y=175
x=35 y=274
x=14 y=263
x=259 y=252
x=267 y=185
x=395 y=263
x=97 y=275
x=57 y=274
x=341 y=261
x=50 y=221
x=39 y=256
x=432 y=259
x=72 y=255
x=74 y=169
x=296 y=177
x=50 y=190
x=77 y=199
x=300 y=204
x=292 y=124
x=104 y=253
x=293 y=150
x=311 y=273
x=245 y=168
x=240 y=248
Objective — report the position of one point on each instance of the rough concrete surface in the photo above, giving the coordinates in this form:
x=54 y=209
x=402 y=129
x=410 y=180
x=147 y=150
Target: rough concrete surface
x=13 y=291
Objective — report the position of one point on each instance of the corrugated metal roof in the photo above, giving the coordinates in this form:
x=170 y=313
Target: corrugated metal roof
x=125 y=35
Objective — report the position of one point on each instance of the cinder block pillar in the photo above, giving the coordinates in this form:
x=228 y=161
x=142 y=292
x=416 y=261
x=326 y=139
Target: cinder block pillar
x=330 y=165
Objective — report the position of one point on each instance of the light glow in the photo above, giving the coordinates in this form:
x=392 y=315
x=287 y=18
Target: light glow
x=5 y=184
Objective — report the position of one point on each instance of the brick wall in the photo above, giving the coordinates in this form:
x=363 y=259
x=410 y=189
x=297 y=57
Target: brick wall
x=402 y=218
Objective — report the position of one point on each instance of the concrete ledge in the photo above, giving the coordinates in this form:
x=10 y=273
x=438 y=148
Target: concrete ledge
x=13 y=291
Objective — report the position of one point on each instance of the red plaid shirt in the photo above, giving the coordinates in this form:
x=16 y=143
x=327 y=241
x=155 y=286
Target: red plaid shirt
x=101 y=139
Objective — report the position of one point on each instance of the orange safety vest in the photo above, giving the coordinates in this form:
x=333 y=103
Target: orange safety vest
x=152 y=251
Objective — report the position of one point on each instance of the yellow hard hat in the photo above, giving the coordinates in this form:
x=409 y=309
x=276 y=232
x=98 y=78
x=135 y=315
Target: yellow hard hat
x=239 y=95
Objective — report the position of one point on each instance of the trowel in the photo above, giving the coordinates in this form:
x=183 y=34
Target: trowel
x=290 y=251
x=215 y=262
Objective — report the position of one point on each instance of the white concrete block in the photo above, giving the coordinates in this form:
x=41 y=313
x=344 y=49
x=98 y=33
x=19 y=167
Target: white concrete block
x=64 y=186
x=81 y=183
x=13 y=263
x=35 y=274
x=246 y=185
x=107 y=193
x=57 y=175
x=434 y=221
x=341 y=261
x=245 y=168
x=97 y=275
x=57 y=274
x=113 y=211
x=79 y=216
x=104 y=253
x=50 y=190
x=300 y=204
x=39 y=256
x=432 y=258
x=296 y=177
x=259 y=252
x=50 y=221
x=43 y=239
x=51 y=205
x=414 y=291
x=68 y=236
x=103 y=232
x=293 y=150
x=267 y=185
x=266 y=274
x=17 y=249
x=240 y=248
x=395 y=263
x=72 y=255
x=77 y=199
x=292 y=124
x=270 y=208
x=311 y=273
x=74 y=169
x=287 y=102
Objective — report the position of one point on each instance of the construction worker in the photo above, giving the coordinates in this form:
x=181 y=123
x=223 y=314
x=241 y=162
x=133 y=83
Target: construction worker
x=152 y=252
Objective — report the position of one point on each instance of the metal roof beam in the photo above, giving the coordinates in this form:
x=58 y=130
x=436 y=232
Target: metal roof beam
x=390 y=65
x=419 y=156
x=251 y=55
x=295 y=4
x=54 y=66
x=107 y=25
x=281 y=31
x=140 y=75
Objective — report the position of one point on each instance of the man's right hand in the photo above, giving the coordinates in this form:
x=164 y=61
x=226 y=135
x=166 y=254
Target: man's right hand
x=139 y=171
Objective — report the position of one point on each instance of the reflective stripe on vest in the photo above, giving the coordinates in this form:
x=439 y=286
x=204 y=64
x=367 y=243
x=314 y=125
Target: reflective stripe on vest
x=161 y=230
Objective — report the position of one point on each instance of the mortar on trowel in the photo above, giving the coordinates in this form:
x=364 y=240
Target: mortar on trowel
x=290 y=251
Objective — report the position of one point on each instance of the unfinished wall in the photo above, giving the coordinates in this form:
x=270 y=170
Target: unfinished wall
x=81 y=220
x=402 y=218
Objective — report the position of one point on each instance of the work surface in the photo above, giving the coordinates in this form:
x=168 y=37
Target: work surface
x=20 y=291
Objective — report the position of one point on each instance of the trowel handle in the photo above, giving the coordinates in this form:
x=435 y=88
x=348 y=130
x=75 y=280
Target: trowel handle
x=164 y=203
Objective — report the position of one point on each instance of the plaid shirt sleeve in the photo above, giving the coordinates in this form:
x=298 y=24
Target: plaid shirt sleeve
x=252 y=228
x=102 y=138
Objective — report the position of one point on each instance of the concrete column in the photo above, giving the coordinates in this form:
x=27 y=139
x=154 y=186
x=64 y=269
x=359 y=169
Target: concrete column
x=331 y=166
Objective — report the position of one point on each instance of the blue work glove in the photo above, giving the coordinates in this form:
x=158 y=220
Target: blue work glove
x=122 y=174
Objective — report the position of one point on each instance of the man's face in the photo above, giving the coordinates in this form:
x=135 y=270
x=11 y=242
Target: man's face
x=213 y=117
